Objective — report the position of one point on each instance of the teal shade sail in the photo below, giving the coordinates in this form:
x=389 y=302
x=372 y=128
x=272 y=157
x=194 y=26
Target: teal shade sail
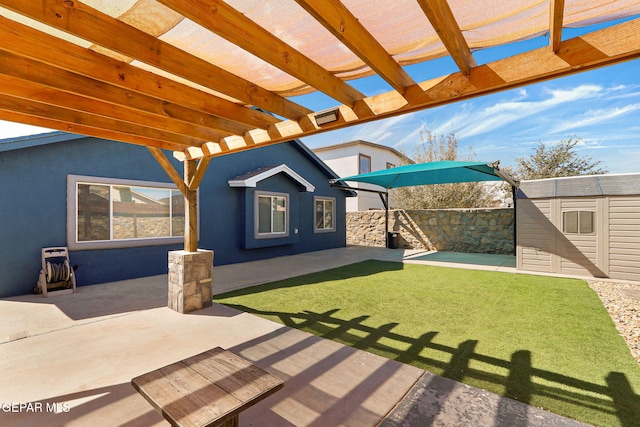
x=442 y=172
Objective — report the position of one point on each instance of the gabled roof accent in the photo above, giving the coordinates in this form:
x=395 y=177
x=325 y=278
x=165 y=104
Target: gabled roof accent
x=251 y=179
x=35 y=140
x=364 y=143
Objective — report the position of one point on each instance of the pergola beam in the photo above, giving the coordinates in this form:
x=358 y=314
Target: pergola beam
x=27 y=42
x=79 y=128
x=444 y=23
x=201 y=168
x=90 y=24
x=556 y=16
x=336 y=18
x=171 y=172
x=188 y=185
x=225 y=21
x=598 y=49
x=28 y=108
x=180 y=127
x=40 y=92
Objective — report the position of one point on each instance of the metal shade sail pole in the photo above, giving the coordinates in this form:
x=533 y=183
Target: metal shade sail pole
x=385 y=202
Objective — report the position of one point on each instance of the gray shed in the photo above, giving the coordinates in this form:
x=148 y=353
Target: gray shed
x=585 y=225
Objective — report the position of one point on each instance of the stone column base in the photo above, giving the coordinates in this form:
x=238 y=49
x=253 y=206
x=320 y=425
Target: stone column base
x=190 y=280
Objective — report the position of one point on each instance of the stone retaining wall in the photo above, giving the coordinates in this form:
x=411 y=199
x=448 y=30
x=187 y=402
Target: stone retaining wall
x=457 y=230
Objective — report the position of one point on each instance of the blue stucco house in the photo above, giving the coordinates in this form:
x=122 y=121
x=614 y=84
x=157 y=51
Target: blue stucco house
x=119 y=213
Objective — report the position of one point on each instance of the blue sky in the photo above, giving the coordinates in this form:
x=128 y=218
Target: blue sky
x=601 y=107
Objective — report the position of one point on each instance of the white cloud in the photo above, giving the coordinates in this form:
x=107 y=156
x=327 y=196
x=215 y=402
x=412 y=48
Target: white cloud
x=412 y=136
x=559 y=96
x=470 y=122
x=592 y=117
x=382 y=130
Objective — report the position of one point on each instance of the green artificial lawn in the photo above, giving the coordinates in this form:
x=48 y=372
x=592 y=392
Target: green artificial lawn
x=542 y=340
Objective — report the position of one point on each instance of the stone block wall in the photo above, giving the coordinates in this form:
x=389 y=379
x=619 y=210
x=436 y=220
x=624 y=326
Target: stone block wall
x=190 y=280
x=455 y=230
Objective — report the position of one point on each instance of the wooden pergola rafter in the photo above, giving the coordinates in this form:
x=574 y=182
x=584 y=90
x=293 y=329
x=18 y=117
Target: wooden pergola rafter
x=443 y=21
x=129 y=85
x=335 y=17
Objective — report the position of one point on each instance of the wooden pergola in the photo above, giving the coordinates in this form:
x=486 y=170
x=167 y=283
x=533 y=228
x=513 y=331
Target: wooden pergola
x=91 y=68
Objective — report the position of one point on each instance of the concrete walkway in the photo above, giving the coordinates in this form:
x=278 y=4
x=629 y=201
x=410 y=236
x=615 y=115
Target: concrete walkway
x=72 y=357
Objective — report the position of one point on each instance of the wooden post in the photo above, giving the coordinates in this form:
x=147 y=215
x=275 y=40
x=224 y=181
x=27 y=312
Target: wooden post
x=190 y=208
x=190 y=270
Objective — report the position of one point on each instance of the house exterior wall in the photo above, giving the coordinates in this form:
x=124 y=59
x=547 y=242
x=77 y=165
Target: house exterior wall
x=343 y=159
x=33 y=208
x=344 y=162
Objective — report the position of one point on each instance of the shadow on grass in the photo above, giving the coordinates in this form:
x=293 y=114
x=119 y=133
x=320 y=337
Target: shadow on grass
x=359 y=269
x=616 y=397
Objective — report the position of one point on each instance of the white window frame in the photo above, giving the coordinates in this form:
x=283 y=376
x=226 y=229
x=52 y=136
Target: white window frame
x=362 y=157
x=256 y=215
x=333 y=214
x=72 y=211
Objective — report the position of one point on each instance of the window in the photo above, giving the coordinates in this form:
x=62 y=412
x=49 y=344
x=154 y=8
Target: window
x=364 y=163
x=578 y=222
x=271 y=215
x=325 y=213
x=111 y=213
x=390 y=165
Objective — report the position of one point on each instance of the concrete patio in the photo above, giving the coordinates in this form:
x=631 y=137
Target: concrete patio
x=75 y=356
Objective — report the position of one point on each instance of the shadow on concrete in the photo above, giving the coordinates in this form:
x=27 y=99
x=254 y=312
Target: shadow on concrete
x=616 y=397
x=323 y=386
x=326 y=384
x=73 y=408
x=93 y=301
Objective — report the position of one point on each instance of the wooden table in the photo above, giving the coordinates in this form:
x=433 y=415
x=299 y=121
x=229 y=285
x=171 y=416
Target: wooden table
x=208 y=389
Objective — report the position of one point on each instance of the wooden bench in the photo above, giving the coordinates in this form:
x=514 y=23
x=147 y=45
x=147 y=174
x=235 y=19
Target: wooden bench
x=209 y=389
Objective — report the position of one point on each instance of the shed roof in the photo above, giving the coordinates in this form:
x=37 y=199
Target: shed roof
x=580 y=186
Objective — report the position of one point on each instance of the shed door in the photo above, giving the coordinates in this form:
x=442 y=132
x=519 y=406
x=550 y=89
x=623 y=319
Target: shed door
x=624 y=238
x=579 y=234
x=535 y=235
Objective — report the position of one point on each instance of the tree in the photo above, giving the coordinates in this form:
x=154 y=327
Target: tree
x=556 y=160
x=432 y=148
